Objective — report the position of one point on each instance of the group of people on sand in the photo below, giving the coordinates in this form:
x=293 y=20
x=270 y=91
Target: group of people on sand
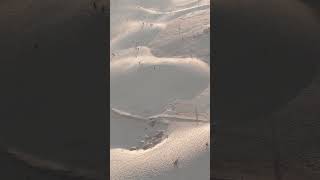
x=145 y=24
x=140 y=64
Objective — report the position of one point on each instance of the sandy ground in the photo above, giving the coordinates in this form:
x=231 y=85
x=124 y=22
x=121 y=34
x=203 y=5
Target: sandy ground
x=160 y=78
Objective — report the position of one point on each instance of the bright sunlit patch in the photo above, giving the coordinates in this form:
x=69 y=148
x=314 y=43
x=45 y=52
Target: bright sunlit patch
x=143 y=62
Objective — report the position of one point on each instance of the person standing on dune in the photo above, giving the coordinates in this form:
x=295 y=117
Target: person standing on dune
x=196 y=113
x=175 y=163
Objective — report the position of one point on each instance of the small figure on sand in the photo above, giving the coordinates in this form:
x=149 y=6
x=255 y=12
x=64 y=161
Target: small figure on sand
x=175 y=163
x=152 y=123
x=196 y=114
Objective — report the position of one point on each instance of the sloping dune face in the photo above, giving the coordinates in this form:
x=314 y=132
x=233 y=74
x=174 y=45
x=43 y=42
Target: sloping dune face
x=147 y=85
x=185 y=143
x=159 y=89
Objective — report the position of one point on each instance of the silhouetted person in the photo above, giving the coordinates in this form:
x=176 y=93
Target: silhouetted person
x=137 y=51
x=153 y=123
x=175 y=163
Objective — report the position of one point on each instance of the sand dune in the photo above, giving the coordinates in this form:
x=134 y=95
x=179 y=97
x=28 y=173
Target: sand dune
x=147 y=84
x=159 y=99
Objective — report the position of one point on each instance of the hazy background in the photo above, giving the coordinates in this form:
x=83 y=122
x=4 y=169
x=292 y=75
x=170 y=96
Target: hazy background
x=267 y=56
x=52 y=84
